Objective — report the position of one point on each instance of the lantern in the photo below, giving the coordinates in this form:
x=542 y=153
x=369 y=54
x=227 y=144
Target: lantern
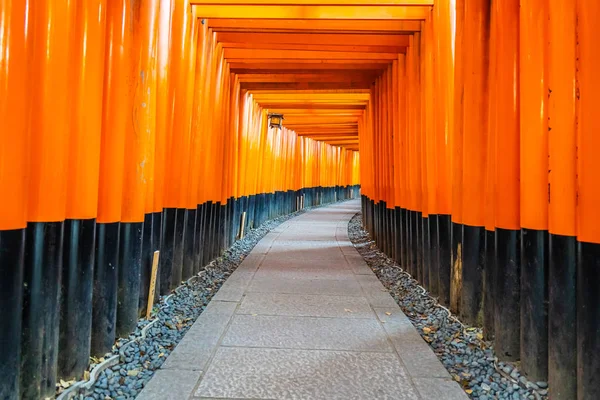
x=275 y=120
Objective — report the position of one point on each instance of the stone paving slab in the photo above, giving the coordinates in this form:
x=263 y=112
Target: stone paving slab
x=250 y=373
x=308 y=333
x=306 y=305
x=303 y=317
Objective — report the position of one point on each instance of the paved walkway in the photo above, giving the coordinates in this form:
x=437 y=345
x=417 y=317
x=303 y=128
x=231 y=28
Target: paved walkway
x=303 y=317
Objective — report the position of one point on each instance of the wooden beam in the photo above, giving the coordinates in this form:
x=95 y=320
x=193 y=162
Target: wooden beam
x=300 y=55
x=276 y=11
x=313 y=26
x=396 y=3
x=316 y=47
x=243 y=67
x=339 y=39
x=308 y=77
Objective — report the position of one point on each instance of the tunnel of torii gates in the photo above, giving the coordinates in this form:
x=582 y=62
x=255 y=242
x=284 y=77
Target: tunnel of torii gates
x=130 y=126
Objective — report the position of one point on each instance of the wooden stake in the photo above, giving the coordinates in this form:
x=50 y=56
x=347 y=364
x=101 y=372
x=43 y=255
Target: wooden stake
x=242 y=225
x=152 y=284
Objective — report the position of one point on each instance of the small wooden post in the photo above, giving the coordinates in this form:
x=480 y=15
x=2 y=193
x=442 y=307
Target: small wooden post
x=152 y=284
x=242 y=225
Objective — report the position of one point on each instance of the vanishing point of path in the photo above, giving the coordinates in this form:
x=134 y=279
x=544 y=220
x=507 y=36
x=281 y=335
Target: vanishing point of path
x=303 y=317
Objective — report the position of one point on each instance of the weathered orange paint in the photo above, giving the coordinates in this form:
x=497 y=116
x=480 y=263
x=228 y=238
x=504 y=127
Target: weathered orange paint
x=561 y=118
x=116 y=110
x=588 y=171
x=533 y=69
x=507 y=115
x=52 y=25
x=87 y=61
x=15 y=79
x=475 y=49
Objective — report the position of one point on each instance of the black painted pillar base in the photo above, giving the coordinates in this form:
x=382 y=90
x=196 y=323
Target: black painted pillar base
x=426 y=248
x=166 y=250
x=588 y=320
x=562 y=317
x=12 y=259
x=507 y=321
x=398 y=235
x=434 y=257
x=187 y=269
x=130 y=265
x=534 y=304
x=419 y=245
x=444 y=235
x=147 y=255
x=490 y=277
x=106 y=281
x=456 y=251
x=41 y=307
x=76 y=303
x=178 y=243
x=473 y=253
x=198 y=237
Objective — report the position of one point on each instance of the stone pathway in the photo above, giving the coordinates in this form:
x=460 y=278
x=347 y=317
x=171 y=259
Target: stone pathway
x=303 y=317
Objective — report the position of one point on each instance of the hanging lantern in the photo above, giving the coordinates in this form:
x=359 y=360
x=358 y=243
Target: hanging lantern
x=275 y=120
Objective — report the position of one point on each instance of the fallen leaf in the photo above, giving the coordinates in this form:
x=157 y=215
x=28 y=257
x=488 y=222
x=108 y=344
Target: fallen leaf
x=64 y=384
x=347 y=310
x=426 y=330
x=469 y=391
x=86 y=375
x=133 y=372
x=388 y=313
x=479 y=336
x=161 y=354
x=428 y=339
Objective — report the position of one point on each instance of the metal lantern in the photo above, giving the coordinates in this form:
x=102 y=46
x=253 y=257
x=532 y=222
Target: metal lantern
x=275 y=120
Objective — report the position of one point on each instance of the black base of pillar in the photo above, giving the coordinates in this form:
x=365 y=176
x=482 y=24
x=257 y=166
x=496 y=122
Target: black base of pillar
x=76 y=303
x=12 y=259
x=187 y=269
x=178 y=242
x=456 y=238
x=507 y=321
x=130 y=265
x=562 y=317
x=434 y=256
x=166 y=250
x=106 y=280
x=534 y=304
x=473 y=253
x=41 y=307
x=147 y=255
x=425 y=251
x=444 y=235
x=588 y=321
x=489 y=289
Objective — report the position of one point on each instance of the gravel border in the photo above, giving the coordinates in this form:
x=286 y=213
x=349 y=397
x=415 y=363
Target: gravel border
x=144 y=351
x=469 y=359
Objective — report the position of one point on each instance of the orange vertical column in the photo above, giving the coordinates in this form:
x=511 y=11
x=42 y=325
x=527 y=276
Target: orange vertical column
x=87 y=62
x=489 y=271
x=443 y=102
x=588 y=175
x=534 y=187
x=145 y=108
x=116 y=110
x=507 y=175
x=475 y=49
x=457 y=160
x=50 y=24
x=162 y=150
x=562 y=295
x=177 y=145
x=430 y=246
x=16 y=41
